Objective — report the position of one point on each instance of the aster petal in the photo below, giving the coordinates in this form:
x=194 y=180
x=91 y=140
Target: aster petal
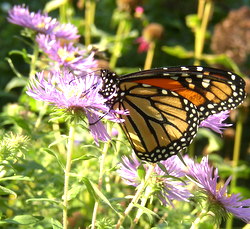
x=67 y=91
x=206 y=177
x=128 y=170
x=66 y=55
x=215 y=122
x=66 y=31
x=165 y=188
x=42 y=23
x=97 y=130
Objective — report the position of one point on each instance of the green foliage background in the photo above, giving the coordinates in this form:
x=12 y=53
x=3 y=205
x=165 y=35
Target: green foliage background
x=32 y=162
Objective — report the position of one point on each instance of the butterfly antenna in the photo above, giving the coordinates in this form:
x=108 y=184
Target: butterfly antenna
x=88 y=73
x=99 y=119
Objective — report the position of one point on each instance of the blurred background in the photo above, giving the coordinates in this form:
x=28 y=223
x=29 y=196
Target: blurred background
x=159 y=33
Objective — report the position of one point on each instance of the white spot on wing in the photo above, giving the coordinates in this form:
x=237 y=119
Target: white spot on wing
x=184 y=68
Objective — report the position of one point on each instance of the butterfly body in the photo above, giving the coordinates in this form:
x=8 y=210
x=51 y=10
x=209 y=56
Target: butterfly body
x=166 y=105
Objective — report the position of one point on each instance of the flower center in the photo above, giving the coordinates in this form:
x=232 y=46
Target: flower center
x=65 y=55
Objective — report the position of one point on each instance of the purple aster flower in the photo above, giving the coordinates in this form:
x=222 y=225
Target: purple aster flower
x=206 y=177
x=80 y=94
x=215 y=122
x=167 y=188
x=66 y=31
x=21 y=15
x=66 y=55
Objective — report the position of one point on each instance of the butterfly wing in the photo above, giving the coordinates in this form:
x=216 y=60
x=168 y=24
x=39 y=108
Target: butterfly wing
x=210 y=90
x=160 y=123
x=166 y=105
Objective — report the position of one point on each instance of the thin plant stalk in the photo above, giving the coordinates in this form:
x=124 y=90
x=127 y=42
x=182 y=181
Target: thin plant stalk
x=117 y=150
x=122 y=30
x=34 y=58
x=236 y=156
x=144 y=199
x=201 y=5
x=204 y=14
x=42 y=112
x=63 y=11
x=198 y=220
x=137 y=196
x=58 y=137
x=150 y=55
x=90 y=7
x=67 y=169
x=100 y=181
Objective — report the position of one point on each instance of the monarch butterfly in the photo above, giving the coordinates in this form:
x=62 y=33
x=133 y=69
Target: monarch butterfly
x=166 y=105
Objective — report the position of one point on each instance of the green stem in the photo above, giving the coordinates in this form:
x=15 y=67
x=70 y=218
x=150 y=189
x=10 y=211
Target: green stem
x=63 y=12
x=70 y=146
x=144 y=199
x=118 y=43
x=101 y=172
x=42 y=112
x=191 y=149
x=34 y=60
x=236 y=156
x=58 y=138
x=201 y=31
x=150 y=56
x=137 y=196
x=89 y=20
x=198 y=220
x=201 y=5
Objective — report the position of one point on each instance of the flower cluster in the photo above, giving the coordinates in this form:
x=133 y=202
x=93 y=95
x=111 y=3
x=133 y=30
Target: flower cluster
x=69 y=82
x=81 y=94
x=41 y=23
x=65 y=55
x=168 y=186
x=206 y=177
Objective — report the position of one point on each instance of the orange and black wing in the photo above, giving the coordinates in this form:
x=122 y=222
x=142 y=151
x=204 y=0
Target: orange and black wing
x=166 y=105
x=160 y=123
x=210 y=90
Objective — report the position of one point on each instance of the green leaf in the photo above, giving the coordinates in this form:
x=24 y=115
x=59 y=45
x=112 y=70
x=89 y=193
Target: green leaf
x=141 y=172
x=5 y=191
x=21 y=123
x=44 y=199
x=22 y=53
x=95 y=192
x=214 y=141
x=178 y=51
x=56 y=224
x=16 y=82
x=74 y=191
x=84 y=158
x=22 y=219
x=148 y=212
x=51 y=152
x=192 y=21
x=54 y=4
x=63 y=138
x=163 y=168
x=15 y=178
x=89 y=187
x=175 y=178
x=102 y=197
x=221 y=59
